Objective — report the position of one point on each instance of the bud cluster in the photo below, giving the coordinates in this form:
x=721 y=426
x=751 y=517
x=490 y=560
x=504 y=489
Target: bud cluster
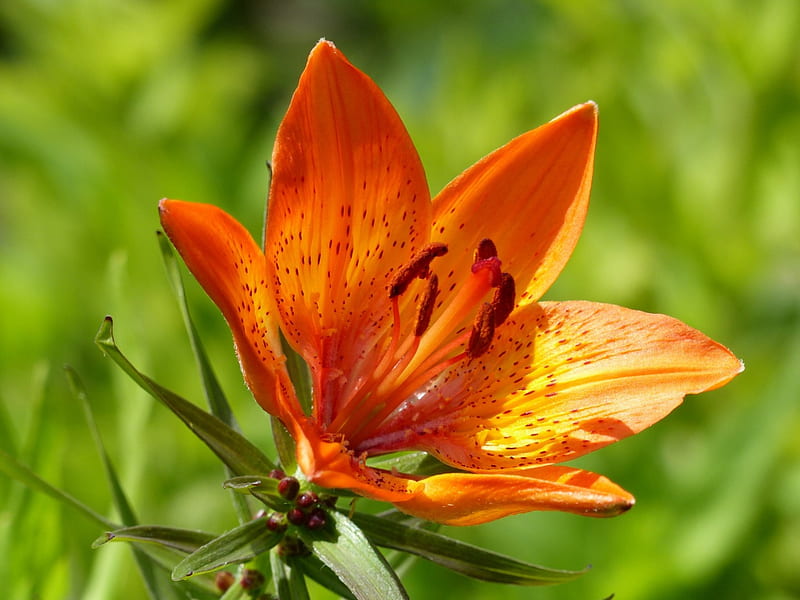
x=308 y=508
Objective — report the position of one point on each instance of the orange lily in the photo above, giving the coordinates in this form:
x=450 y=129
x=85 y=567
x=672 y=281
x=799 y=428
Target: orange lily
x=420 y=319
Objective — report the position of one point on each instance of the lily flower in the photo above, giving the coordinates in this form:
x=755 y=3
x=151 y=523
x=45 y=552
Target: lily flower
x=420 y=319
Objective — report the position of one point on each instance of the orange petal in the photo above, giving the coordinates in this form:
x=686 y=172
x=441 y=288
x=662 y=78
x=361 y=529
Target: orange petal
x=563 y=379
x=331 y=465
x=530 y=197
x=471 y=499
x=230 y=267
x=349 y=204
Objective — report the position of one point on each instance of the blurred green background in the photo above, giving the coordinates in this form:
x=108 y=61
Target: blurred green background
x=108 y=105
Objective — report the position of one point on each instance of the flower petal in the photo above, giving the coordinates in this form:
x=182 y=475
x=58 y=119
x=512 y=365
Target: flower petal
x=230 y=267
x=529 y=197
x=349 y=204
x=471 y=499
x=562 y=379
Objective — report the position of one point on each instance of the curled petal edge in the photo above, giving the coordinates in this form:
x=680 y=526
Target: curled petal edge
x=472 y=499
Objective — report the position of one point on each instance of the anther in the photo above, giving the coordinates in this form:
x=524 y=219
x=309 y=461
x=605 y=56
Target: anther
x=426 y=306
x=418 y=266
x=482 y=332
x=485 y=249
x=503 y=300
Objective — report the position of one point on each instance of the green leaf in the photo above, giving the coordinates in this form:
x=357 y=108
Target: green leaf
x=289 y=581
x=215 y=397
x=263 y=487
x=418 y=463
x=313 y=567
x=16 y=470
x=459 y=556
x=237 y=545
x=299 y=374
x=230 y=446
x=182 y=540
x=156 y=586
x=284 y=444
x=343 y=547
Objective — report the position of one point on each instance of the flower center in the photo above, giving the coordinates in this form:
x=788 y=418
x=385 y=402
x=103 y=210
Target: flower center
x=437 y=341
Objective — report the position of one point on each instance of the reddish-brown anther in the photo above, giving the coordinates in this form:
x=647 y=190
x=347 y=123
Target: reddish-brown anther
x=426 y=305
x=482 y=332
x=417 y=267
x=503 y=299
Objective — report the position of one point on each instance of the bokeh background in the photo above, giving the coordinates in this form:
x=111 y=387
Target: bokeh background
x=108 y=105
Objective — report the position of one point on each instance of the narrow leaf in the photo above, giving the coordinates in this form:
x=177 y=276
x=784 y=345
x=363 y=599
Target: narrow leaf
x=182 y=540
x=289 y=581
x=459 y=556
x=343 y=547
x=237 y=545
x=229 y=445
x=262 y=487
x=16 y=470
x=154 y=584
x=418 y=463
x=314 y=568
x=215 y=397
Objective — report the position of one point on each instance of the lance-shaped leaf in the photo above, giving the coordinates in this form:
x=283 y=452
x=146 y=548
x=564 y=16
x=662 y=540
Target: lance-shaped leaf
x=22 y=473
x=263 y=487
x=343 y=547
x=314 y=568
x=230 y=446
x=417 y=463
x=182 y=540
x=156 y=586
x=289 y=581
x=237 y=545
x=459 y=556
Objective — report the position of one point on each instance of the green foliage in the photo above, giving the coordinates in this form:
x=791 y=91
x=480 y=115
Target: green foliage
x=106 y=106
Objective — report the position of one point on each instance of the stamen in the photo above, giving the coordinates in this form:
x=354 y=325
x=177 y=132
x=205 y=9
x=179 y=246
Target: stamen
x=503 y=300
x=426 y=306
x=486 y=249
x=435 y=344
x=418 y=266
x=482 y=332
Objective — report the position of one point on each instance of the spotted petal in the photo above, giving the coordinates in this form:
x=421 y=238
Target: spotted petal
x=471 y=499
x=349 y=204
x=562 y=379
x=230 y=267
x=530 y=197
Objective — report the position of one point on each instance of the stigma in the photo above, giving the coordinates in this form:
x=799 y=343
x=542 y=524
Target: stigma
x=440 y=338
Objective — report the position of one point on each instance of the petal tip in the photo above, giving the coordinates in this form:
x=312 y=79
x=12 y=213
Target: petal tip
x=588 y=111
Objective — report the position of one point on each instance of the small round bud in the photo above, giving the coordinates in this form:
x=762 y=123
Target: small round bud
x=276 y=522
x=317 y=519
x=261 y=513
x=296 y=516
x=307 y=500
x=277 y=474
x=251 y=579
x=288 y=487
x=329 y=501
x=224 y=580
